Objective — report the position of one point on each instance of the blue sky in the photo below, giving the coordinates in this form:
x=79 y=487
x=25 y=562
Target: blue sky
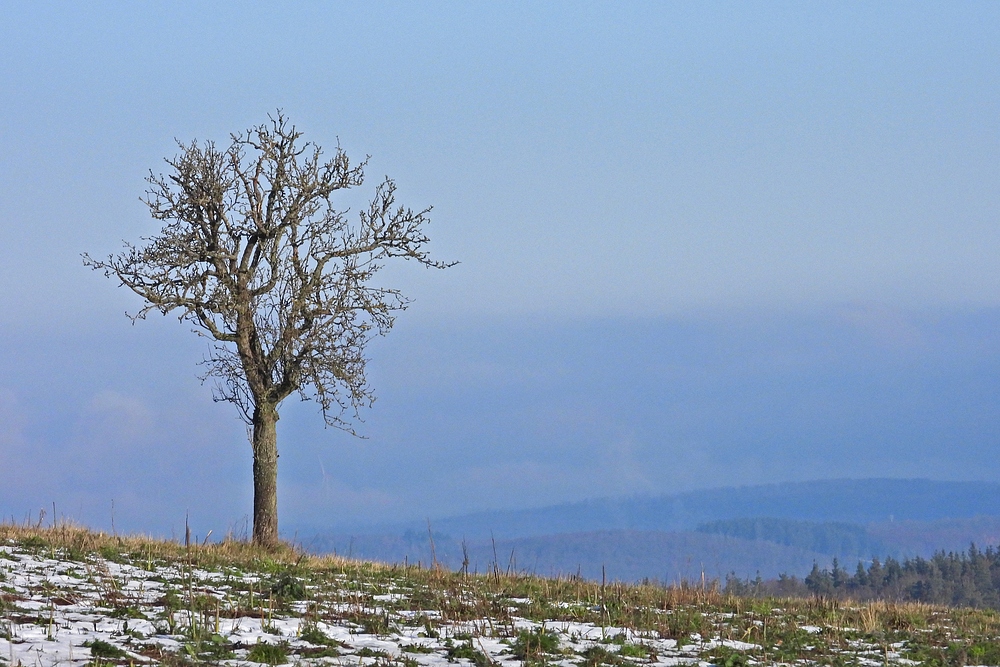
x=700 y=244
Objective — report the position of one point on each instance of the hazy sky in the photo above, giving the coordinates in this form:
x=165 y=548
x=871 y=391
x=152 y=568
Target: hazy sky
x=700 y=244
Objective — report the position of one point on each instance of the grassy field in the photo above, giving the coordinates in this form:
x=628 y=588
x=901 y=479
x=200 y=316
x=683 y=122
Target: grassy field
x=73 y=597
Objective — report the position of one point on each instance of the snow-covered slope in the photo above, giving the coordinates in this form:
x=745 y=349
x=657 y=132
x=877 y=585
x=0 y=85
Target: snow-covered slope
x=64 y=607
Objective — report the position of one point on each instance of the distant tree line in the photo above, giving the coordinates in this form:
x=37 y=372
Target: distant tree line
x=826 y=537
x=970 y=579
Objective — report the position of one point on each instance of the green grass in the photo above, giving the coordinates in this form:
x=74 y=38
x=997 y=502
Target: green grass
x=269 y=654
x=102 y=649
x=639 y=651
x=534 y=644
x=469 y=652
x=598 y=655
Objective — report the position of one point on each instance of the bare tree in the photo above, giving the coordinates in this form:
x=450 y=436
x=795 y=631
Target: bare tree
x=256 y=255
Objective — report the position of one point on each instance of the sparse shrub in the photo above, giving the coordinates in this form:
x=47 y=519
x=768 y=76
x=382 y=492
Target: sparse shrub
x=311 y=633
x=213 y=648
x=365 y=652
x=428 y=624
x=34 y=542
x=415 y=648
x=102 y=649
x=287 y=586
x=640 y=651
x=533 y=644
x=376 y=624
x=984 y=653
x=467 y=651
x=726 y=657
x=75 y=552
x=269 y=654
x=202 y=602
x=125 y=611
x=110 y=553
x=680 y=624
x=791 y=644
x=170 y=601
x=598 y=655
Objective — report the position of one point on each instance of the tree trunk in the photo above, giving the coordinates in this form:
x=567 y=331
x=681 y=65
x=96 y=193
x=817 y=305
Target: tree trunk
x=265 y=475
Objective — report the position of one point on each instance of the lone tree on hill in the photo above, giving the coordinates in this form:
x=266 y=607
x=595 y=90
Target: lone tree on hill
x=256 y=255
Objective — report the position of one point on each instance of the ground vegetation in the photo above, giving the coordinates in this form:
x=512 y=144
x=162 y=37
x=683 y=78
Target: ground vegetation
x=70 y=596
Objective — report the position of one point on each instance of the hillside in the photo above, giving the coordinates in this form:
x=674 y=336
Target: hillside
x=846 y=500
x=859 y=501
x=771 y=530
x=617 y=555
x=923 y=538
x=76 y=598
x=846 y=541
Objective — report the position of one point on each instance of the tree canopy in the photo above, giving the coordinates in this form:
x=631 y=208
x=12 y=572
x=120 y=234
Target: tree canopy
x=256 y=254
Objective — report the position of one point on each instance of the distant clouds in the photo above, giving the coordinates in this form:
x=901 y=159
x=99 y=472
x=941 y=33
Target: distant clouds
x=510 y=414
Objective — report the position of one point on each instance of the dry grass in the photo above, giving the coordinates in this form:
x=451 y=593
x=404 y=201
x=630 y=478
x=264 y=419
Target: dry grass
x=75 y=538
x=353 y=592
x=463 y=596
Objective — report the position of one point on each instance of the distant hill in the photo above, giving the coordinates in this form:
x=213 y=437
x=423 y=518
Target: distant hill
x=622 y=555
x=898 y=539
x=847 y=541
x=851 y=501
x=746 y=547
x=772 y=529
x=924 y=538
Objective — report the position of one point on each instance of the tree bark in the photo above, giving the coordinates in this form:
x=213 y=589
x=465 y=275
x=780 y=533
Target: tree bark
x=265 y=475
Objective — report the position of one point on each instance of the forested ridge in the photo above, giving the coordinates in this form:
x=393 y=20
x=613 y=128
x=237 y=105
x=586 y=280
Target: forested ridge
x=967 y=579
x=828 y=537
